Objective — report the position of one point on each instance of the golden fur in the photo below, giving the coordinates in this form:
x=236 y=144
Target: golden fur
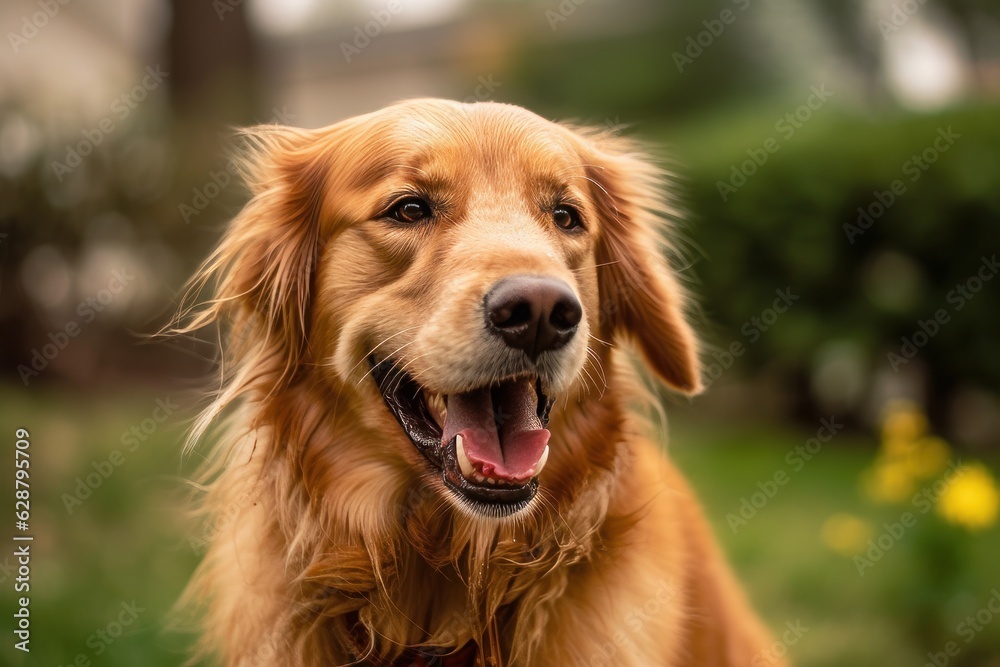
x=329 y=526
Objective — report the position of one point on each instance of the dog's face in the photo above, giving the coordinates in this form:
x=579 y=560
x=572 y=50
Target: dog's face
x=459 y=271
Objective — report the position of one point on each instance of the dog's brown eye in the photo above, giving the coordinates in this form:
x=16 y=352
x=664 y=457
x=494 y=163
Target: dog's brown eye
x=411 y=210
x=566 y=217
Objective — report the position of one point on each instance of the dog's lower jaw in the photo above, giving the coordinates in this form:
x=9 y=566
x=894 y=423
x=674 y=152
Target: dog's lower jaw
x=488 y=443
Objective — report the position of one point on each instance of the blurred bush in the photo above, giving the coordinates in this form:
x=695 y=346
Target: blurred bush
x=871 y=267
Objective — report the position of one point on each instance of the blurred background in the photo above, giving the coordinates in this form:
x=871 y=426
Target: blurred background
x=838 y=165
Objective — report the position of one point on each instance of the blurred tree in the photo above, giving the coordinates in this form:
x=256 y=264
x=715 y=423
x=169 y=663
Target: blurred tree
x=856 y=43
x=213 y=63
x=860 y=41
x=675 y=60
x=215 y=86
x=976 y=22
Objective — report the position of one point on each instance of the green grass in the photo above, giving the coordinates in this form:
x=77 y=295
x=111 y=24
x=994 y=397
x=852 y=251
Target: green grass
x=129 y=541
x=896 y=611
x=125 y=542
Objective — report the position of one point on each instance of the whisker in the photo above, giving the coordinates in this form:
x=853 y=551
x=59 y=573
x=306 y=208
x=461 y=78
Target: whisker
x=391 y=356
x=384 y=341
x=597 y=266
x=600 y=370
x=600 y=364
x=584 y=369
x=602 y=189
x=401 y=372
x=603 y=342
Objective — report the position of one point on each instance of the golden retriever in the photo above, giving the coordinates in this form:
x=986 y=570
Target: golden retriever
x=433 y=453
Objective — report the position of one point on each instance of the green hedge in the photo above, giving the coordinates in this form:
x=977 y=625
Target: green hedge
x=795 y=223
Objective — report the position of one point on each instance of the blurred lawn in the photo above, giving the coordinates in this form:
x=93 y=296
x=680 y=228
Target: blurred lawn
x=791 y=575
x=128 y=540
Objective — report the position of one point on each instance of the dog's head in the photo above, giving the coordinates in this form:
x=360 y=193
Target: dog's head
x=454 y=272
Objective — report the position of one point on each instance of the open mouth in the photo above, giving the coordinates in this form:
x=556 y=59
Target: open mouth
x=489 y=443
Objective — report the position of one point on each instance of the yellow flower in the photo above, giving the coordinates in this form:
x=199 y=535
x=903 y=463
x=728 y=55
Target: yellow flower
x=846 y=534
x=899 y=448
x=972 y=499
x=929 y=457
x=890 y=481
x=903 y=421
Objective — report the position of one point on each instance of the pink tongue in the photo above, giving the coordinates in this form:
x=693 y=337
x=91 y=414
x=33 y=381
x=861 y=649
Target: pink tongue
x=510 y=451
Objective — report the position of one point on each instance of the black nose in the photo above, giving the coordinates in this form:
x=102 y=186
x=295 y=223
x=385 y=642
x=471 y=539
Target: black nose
x=533 y=313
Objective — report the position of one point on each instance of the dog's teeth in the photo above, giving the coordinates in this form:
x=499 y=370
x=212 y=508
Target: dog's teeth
x=436 y=407
x=463 y=459
x=491 y=481
x=542 y=461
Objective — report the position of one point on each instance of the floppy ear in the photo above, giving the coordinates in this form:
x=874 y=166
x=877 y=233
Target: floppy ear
x=264 y=264
x=640 y=297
